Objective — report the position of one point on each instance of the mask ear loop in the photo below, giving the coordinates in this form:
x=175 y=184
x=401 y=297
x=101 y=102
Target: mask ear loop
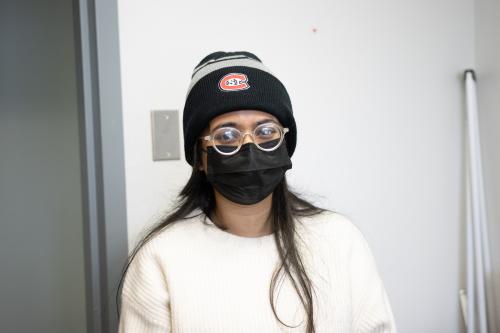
x=201 y=146
x=197 y=156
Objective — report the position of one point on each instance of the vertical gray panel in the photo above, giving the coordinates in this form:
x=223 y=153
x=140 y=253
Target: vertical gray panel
x=42 y=285
x=113 y=156
x=104 y=171
x=91 y=161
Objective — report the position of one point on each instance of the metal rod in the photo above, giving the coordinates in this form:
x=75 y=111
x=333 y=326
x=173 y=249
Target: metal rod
x=482 y=264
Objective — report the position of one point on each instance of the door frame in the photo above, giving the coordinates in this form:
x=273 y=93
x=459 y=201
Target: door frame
x=103 y=158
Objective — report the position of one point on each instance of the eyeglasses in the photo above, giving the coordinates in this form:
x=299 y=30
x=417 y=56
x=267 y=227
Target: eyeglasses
x=228 y=140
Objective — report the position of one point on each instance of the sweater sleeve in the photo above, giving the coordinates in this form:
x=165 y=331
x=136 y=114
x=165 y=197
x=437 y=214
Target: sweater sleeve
x=371 y=309
x=145 y=304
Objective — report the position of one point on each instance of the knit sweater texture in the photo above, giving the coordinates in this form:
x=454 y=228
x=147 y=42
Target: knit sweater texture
x=194 y=277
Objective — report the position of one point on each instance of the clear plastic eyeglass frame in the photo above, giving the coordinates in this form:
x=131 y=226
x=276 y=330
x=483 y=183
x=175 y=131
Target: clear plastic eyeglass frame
x=211 y=137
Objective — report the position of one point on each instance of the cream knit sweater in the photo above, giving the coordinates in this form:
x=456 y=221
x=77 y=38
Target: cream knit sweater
x=194 y=277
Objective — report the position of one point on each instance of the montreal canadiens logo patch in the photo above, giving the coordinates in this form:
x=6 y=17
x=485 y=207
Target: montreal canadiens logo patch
x=234 y=82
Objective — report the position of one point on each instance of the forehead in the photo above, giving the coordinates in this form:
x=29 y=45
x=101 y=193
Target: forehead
x=242 y=117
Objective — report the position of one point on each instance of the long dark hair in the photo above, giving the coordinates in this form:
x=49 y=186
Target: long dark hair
x=198 y=194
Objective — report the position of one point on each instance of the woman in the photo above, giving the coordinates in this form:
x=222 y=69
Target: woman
x=241 y=252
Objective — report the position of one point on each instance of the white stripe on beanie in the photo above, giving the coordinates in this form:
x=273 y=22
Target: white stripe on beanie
x=214 y=64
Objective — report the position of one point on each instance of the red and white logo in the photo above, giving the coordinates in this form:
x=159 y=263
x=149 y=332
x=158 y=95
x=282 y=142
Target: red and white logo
x=234 y=82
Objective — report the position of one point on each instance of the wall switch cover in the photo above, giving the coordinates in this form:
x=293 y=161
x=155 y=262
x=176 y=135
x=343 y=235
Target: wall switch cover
x=165 y=131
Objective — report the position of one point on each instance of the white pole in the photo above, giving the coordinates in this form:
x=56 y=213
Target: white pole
x=483 y=271
x=483 y=223
x=470 y=318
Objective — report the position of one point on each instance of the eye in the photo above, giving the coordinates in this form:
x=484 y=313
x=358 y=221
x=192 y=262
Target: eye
x=267 y=131
x=226 y=136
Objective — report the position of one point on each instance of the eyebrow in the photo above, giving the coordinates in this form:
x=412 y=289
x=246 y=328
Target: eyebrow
x=233 y=124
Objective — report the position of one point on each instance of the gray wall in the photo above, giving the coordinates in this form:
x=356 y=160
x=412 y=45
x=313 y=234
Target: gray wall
x=41 y=242
x=487 y=36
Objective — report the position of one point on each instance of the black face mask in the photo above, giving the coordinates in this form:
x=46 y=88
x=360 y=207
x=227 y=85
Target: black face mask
x=248 y=176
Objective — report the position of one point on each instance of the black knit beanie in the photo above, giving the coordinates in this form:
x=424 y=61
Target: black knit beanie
x=230 y=81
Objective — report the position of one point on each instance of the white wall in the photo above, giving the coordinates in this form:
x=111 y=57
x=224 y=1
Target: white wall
x=377 y=95
x=487 y=32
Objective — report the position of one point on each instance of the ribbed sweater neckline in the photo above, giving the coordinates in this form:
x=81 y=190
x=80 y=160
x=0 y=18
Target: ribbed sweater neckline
x=233 y=238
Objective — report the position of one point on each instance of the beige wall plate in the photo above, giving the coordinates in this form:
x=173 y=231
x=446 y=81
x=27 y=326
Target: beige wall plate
x=165 y=134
